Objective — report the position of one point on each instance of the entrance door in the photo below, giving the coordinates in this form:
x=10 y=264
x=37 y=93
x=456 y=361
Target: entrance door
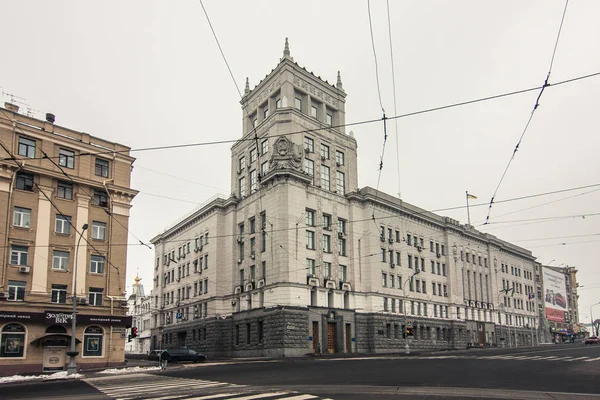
x=54 y=358
x=331 y=345
x=348 y=339
x=315 y=335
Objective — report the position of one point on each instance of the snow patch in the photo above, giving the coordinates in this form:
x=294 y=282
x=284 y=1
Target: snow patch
x=116 y=371
x=25 y=378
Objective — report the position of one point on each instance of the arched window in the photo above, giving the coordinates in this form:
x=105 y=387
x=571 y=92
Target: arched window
x=56 y=329
x=12 y=341
x=92 y=341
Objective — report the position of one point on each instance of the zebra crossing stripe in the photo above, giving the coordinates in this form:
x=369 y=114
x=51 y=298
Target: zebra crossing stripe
x=212 y=396
x=261 y=395
x=593 y=359
x=301 y=397
x=578 y=359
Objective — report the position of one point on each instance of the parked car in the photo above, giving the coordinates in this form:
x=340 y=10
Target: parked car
x=592 y=340
x=560 y=300
x=185 y=354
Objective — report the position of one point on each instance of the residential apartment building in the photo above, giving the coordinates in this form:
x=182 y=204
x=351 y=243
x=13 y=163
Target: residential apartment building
x=139 y=308
x=299 y=259
x=560 y=320
x=53 y=182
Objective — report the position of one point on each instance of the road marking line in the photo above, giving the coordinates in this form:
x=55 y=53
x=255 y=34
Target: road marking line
x=578 y=359
x=117 y=391
x=593 y=359
x=262 y=395
x=212 y=396
x=301 y=397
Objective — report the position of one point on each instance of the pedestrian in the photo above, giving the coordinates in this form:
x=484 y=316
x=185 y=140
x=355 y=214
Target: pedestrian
x=165 y=357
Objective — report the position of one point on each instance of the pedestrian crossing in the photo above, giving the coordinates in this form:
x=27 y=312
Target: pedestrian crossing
x=510 y=357
x=159 y=387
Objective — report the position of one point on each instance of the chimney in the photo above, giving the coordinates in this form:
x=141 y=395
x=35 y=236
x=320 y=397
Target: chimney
x=50 y=117
x=11 y=107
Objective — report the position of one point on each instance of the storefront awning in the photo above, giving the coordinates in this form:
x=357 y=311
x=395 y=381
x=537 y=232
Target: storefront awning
x=54 y=336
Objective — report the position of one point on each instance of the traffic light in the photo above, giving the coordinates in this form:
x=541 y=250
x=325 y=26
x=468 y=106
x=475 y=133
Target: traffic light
x=134 y=332
x=410 y=331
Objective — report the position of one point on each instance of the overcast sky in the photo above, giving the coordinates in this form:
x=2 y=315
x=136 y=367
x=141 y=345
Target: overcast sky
x=149 y=73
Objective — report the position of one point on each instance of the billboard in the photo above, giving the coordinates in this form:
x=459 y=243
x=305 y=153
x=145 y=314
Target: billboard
x=555 y=299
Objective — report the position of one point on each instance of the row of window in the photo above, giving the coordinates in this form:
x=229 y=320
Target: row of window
x=326 y=270
x=250 y=276
x=426 y=333
x=259 y=333
x=326 y=221
x=60 y=259
x=58 y=294
x=325 y=177
x=326 y=243
x=473 y=258
x=62 y=223
x=184 y=293
x=183 y=250
x=416 y=308
x=514 y=271
x=64 y=190
x=66 y=157
x=300 y=103
x=12 y=340
x=184 y=270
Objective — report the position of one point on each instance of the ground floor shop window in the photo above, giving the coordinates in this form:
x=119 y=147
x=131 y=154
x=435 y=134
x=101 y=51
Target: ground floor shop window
x=92 y=341
x=12 y=341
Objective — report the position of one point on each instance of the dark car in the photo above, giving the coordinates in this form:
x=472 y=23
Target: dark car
x=592 y=340
x=185 y=354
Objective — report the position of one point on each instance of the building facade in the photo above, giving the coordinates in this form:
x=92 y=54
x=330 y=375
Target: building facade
x=299 y=259
x=54 y=183
x=139 y=308
x=560 y=319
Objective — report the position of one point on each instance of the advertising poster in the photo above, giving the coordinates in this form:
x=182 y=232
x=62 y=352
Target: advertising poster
x=555 y=299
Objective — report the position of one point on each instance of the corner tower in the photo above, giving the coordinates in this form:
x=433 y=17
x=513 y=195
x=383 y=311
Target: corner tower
x=293 y=122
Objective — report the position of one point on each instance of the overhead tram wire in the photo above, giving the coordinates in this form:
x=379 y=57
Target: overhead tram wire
x=535 y=107
x=363 y=122
x=394 y=94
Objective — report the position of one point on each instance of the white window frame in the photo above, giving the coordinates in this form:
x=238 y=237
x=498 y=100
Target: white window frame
x=253 y=182
x=340 y=182
x=95 y=296
x=62 y=224
x=325 y=178
x=60 y=260
x=29 y=148
x=18 y=290
x=61 y=293
x=310 y=240
x=98 y=230
x=21 y=253
x=264 y=146
x=66 y=158
x=97 y=264
x=22 y=217
x=339 y=158
x=242 y=186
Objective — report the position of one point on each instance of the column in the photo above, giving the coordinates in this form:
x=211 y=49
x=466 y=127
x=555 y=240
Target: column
x=41 y=256
x=83 y=202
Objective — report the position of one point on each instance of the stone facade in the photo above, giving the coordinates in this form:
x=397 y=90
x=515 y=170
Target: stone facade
x=302 y=254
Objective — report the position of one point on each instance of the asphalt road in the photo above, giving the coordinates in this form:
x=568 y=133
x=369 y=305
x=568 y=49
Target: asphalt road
x=561 y=371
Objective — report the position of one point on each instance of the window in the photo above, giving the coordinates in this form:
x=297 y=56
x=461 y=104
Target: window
x=12 y=341
x=433 y=288
x=410 y=261
x=60 y=260
x=26 y=147
x=310 y=266
x=253 y=156
x=22 y=217
x=339 y=158
x=241 y=163
x=62 y=224
x=408 y=239
x=343 y=273
x=264 y=147
x=443 y=250
x=101 y=168
x=341 y=225
x=309 y=167
x=99 y=230
x=100 y=198
x=329 y=119
x=265 y=113
x=253 y=181
x=18 y=255
x=278 y=103
x=327 y=243
x=327 y=222
x=16 y=290
x=309 y=144
x=66 y=158
x=383 y=253
x=65 y=191
x=92 y=341
x=264 y=168
x=97 y=264
x=325 y=177
x=24 y=182
x=298 y=104
x=392 y=282
x=398 y=259
x=324 y=152
x=242 y=186
x=327 y=270
x=340 y=186
x=59 y=294
x=310 y=240
x=95 y=296
x=342 y=246
x=383 y=279
x=313 y=111
x=310 y=217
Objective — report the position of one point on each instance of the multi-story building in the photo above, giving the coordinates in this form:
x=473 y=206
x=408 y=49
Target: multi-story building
x=561 y=303
x=300 y=259
x=138 y=305
x=54 y=183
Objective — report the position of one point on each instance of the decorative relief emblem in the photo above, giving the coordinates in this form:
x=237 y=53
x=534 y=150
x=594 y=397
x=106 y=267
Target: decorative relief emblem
x=286 y=155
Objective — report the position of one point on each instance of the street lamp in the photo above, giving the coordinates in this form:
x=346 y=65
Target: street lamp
x=592 y=318
x=72 y=368
x=406 y=345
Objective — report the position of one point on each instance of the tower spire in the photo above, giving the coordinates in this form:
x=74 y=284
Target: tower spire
x=339 y=82
x=247 y=89
x=286 y=51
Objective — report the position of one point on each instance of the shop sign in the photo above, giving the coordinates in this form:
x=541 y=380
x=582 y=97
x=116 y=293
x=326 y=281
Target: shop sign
x=57 y=318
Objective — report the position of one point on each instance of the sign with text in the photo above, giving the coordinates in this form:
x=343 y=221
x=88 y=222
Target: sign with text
x=555 y=299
